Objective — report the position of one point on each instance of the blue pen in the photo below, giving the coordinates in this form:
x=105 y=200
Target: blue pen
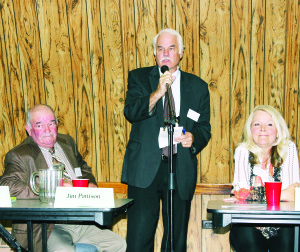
x=183 y=131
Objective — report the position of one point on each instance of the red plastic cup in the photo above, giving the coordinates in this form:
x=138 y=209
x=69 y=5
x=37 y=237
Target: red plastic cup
x=273 y=193
x=273 y=208
x=80 y=182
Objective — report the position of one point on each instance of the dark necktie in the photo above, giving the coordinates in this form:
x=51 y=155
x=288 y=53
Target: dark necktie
x=55 y=160
x=167 y=117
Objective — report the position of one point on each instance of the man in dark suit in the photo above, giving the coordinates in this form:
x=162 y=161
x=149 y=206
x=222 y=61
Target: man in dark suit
x=145 y=167
x=33 y=154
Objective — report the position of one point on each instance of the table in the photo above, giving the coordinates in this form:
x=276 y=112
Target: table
x=35 y=211
x=225 y=213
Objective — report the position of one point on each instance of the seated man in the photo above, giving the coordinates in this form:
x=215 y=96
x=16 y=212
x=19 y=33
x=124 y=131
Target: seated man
x=34 y=153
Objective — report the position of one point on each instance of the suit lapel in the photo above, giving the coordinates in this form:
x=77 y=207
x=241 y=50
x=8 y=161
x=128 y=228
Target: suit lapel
x=37 y=154
x=184 y=98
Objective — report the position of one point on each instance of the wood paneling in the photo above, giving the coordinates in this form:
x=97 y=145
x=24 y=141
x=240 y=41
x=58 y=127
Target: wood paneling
x=291 y=66
x=215 y=69
x=275 y=48
x=7 y=139
x=13 y=74
x=56 y=59
x=257 y=62
x=240 y=70
x=75 y=56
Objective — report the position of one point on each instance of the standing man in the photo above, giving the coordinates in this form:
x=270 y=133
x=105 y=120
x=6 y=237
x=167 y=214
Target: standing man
x=34 y=153
x=145 y=167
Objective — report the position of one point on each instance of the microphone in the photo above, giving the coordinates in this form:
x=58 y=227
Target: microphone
x=163 y=69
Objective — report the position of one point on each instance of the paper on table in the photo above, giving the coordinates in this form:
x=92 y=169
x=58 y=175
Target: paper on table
x=5 y=197
x=163 y=136
x=245 y=206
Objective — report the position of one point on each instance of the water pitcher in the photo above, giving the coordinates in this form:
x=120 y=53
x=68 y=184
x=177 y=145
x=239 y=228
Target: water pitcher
x=48 y=180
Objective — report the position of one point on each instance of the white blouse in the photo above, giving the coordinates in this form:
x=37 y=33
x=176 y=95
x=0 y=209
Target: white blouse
x=242 y=170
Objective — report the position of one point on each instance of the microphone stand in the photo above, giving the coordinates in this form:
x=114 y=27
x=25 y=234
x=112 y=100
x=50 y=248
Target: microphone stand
x=11 y=240
x=172 y=183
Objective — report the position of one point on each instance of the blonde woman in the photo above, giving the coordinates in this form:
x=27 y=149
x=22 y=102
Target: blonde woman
x=266 y=153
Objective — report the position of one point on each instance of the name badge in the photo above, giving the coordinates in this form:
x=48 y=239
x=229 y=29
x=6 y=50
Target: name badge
x=193 y=115
x=78 y=172
x=70 y=197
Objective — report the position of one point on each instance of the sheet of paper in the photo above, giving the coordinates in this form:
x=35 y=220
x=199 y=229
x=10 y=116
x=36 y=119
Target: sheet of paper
x=5 y=200
x=163 y=140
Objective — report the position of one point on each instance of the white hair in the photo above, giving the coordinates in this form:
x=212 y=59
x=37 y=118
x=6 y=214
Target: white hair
x=170 y=31
x=28 y=113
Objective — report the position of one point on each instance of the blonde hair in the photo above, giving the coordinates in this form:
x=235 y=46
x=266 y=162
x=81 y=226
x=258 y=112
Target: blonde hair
x=280 y=146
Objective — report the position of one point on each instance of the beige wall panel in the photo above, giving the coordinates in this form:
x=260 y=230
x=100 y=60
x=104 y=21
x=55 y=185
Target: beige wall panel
x=81 y=68
x=146 y=29
x=11 y=45
x=56 y=58
x=257 y=53
x=114 y=81
x=167 y=15
x=240 y=70
x=214 y=239
x=292 y=68
x=275 y=47
x=129 y=46
x=195 y=225
x=29 y=52
x=128 y=37
x=99 y=90
x=297 y=11
x=7 y=138
x=187 y=24
x=215 y=69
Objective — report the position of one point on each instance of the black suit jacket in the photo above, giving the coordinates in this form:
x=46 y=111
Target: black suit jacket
x=143 y=156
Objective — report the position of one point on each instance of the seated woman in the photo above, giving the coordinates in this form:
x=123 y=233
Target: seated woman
x=265 y=154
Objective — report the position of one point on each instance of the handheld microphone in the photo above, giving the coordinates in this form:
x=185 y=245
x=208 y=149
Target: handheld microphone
x=163 y=69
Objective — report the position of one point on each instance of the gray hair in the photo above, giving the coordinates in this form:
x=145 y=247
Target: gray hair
x=28 y=113
x=173 y=32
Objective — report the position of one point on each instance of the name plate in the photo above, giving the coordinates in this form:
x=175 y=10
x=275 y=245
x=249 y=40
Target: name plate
x=70 y=197
x=5 y=197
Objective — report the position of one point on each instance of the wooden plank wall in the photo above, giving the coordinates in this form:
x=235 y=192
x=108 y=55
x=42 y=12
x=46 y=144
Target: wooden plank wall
x=75 y=56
